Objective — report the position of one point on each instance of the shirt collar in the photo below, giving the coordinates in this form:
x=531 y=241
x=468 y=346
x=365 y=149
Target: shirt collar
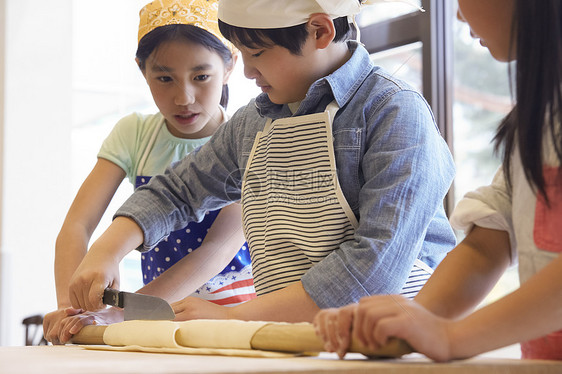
x=341 y=85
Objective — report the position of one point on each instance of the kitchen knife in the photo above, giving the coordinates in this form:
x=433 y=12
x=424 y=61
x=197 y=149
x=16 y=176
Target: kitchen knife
x=138 y=306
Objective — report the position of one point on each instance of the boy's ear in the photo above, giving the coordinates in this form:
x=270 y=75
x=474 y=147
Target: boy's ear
x=322 y=27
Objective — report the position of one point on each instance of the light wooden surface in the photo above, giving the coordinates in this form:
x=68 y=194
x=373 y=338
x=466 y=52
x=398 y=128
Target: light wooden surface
x=74 y=359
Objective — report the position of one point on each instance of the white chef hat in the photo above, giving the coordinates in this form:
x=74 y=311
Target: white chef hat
x=272 y=14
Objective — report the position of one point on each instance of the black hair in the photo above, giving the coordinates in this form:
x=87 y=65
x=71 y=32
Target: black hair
x=537 y=42
x=291 y=38
x=191 y=33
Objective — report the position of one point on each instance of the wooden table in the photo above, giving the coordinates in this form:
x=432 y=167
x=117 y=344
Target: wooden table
x=77 y=360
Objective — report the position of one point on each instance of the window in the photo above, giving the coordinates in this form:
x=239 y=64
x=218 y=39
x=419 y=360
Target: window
x=403 y=62
x=481 y=100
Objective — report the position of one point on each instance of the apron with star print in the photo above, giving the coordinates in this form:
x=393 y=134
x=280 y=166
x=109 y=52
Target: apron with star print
x=294 y=211
x=230 y=287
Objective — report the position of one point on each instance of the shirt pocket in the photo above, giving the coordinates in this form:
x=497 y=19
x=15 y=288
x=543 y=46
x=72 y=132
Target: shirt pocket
x=547 y=231
x=347 y=149
x=247 y=145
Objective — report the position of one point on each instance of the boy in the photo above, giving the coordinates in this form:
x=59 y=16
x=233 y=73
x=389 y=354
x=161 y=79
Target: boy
x=340 y=169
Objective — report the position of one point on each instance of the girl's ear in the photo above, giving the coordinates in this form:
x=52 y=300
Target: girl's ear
x=140 y=67
x=230 y=68
x=322 y=27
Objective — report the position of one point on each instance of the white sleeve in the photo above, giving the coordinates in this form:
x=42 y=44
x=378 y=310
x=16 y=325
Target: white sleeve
x=488 y=207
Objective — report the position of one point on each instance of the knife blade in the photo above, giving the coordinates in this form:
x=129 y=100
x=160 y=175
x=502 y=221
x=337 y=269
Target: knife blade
x=138 y=306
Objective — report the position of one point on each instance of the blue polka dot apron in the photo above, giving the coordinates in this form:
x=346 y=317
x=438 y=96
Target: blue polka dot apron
x=230 y=287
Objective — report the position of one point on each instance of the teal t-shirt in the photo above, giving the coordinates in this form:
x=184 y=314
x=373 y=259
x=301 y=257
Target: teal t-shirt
x=131 y=138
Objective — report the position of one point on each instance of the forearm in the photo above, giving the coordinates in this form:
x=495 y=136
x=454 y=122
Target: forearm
x=184 y=193
x=467 y=274
x=534 y=310
x=81 y=220
x=291 y=304
x=70 y=248
x=120 y=238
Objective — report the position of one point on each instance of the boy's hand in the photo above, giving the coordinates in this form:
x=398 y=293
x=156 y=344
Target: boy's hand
x=95 y=273
x=100 y=267
x=333 y=326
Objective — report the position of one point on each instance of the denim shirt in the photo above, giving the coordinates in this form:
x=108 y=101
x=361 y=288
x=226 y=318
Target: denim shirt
x=393 y=166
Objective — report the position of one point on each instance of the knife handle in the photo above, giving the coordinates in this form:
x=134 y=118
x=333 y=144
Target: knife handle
x=111 y=297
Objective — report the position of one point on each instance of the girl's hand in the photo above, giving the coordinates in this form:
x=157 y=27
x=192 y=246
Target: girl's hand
x=52 y=323
x=95 y=273
x=73 y=324
x=333 y=326
x=379 y=318
x=195 y=308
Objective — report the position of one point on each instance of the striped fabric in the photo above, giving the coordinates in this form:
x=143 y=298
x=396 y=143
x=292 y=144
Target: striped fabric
x=293 y=216
x=418 y=276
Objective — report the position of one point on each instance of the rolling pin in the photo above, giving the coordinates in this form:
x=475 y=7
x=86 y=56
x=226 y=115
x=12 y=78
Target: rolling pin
x=302 y=338
x=89 y=335
x=281 y=337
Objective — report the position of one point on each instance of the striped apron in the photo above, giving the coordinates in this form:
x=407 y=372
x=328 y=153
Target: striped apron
x=294 y=211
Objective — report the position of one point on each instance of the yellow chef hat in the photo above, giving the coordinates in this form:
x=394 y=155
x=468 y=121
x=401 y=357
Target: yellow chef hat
x=270 y=14
x=201 y=13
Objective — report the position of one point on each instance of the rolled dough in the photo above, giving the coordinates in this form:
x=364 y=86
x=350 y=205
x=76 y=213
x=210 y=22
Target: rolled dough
x=199 y=337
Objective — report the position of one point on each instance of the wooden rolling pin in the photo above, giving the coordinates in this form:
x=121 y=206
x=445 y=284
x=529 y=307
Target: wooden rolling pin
x=303 y=338
x=89 y=335
x=273 y=337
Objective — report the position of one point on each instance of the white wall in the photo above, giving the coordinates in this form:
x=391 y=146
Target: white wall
x=37 y=118
x=3 y=284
